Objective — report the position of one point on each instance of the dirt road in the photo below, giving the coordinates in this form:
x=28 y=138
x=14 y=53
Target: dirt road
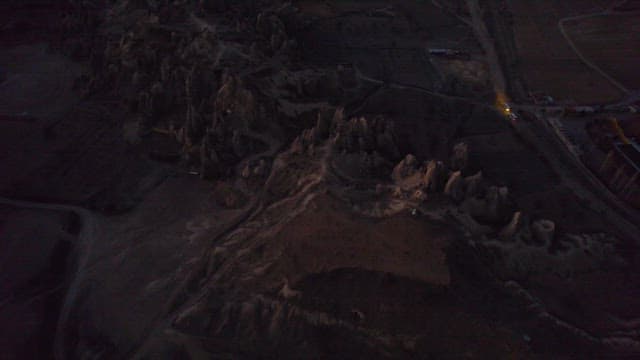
x=578 y=53
x=86 y=239
x=572 y=173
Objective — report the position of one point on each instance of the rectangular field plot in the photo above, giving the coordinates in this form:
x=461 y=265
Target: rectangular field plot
x=548 y=63
x=612 y=42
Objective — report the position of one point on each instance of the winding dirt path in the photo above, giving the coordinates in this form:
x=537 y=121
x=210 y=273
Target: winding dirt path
x=583 y=58
x=273 y=146
x=395 y=85
x=86 y=239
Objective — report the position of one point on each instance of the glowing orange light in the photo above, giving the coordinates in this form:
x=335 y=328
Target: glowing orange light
x=502 y=103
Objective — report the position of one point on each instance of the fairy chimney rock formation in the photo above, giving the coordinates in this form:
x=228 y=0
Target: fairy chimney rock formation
x=543 y=231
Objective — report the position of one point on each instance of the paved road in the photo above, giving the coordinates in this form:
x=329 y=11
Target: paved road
x=631 y=98
x=579 y=179
x=573 y=173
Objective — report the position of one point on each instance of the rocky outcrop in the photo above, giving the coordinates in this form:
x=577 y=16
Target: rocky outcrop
x=360 y=148
x=460 y=157
x=517 y=230
x=494 y=207
x=364 y=147
x=543 y=231
x=207 y=85
x=233 y=113
x=405 y=168
x=183 y=79
x=499 y=205
x=429 y=177
x=210 y=166
x=485 y=204
x=455 y=186
x=214 y=6
x=353 y=136
x=152 y=105
x=233 y=100
x=468 y=223
x=474 y=185
x=434 y=176
x=363 y=135
x=509 y=231
x=272 y=28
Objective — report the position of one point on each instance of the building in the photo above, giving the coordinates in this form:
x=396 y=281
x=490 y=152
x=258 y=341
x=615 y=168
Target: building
x=449 y=53
x=579 y=110
x=539 y=98
x=621 y=171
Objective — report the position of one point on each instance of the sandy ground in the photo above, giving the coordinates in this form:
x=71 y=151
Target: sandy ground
x=411 y=248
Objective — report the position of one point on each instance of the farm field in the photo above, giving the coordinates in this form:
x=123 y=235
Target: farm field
x=390 y=44
x=612 y=42
x=548 y=63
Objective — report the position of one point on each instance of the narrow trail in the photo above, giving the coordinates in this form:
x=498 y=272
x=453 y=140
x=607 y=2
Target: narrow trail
x=273 y=146
x=394 y=85
x=201 y=24
x=86 y=231
x=177 y=303
x=462 y=19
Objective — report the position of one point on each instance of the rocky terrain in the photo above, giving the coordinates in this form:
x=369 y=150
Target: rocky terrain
x=263 y=179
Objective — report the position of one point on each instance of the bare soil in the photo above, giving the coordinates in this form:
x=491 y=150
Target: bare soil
x=612 y=42
x=411 y=248
x=547 y=61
